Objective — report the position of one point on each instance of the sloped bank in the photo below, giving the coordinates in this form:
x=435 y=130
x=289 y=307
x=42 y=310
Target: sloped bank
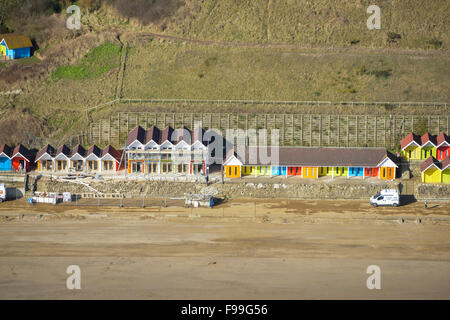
x=353 y=190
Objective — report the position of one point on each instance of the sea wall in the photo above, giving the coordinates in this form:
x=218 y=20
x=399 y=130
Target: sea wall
x=432 y=191
x=230 y=190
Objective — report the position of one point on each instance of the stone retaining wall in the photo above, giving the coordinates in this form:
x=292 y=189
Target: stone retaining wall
x=350 y=190
x=432 y=191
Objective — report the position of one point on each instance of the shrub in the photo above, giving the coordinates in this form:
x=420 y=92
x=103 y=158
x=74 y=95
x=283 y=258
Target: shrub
x=435 y=43
x=393 y=37
x=421 y=126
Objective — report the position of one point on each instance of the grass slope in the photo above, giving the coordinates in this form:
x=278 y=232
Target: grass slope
x=177 y=70
x=420 y=24
x=97 y=62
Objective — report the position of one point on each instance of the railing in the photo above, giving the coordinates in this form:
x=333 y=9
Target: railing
x=293 y=102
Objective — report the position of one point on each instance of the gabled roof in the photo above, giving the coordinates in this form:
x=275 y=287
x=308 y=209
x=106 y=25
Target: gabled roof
x=78 y=149
x=445 y=163
x=138 y=134
x=389 y=158
x=94 y=150
x=152 y=134
x=427 y=137
x=166 y=135
x=7 y=150
x=111 y=151
x=21 y=150
x=182 y=134
x=232 y=158
x=410 y=138
x=64 y=150
x=430 y=161
x=15 y=41
x=198 y=135
x=441 y=139
x=48 y=149
x=316 y=156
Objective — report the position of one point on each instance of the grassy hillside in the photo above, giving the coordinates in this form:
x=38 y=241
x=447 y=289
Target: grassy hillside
x=177 y=70
x=275 y=50
x=420 y=24
x=56 y=104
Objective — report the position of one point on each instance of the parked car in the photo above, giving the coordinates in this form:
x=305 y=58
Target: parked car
x=386 y=197
x=2 y=192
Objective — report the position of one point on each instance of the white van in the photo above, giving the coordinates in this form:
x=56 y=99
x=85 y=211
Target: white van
x=387 y=197
x=2 y=192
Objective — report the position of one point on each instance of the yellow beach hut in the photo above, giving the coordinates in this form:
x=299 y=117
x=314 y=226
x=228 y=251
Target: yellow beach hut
x=411 y=147
x=445 y=165
x=431 y=171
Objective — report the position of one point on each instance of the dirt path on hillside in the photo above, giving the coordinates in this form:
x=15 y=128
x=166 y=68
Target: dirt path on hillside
x=283 y=249
x=319 y=50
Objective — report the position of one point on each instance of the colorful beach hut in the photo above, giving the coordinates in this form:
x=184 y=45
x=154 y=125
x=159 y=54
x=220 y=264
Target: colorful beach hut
x=62 y=159
x=232 y=165
x=5 y=157
x=15 y=46
x=428 y=146
x=443 y=146
x=136 y=141
x=410 y=147
x=111 y=159
x=92 y=159
x=78 y=158
x=21 y=158
x=431 y=171
x=312 y=162
x=200 y=152
x=445 y=167
x=44 y=159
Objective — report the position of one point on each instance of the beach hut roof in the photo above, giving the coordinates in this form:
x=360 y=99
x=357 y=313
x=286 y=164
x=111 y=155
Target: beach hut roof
x=64 y=150
x=112 y=151
x=198 y=135
x=7 y=150
x=232 y=158
x=442 y=139
x=138 y=133
x=430 y=161
x=182 y=134
x=78 y=149
x=16 y=41
x=427 y=137
x=410 y=138
x=445 y=163
x=47 y=149
x=94 y=150
x=152 y=134
x=317 y=156
x=21 y=150
x=166 y=135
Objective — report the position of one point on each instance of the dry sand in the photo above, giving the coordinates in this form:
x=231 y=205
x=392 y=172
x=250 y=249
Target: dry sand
x=287 y=250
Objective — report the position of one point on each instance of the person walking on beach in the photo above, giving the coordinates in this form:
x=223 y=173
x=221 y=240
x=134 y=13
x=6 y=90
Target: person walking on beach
x=425 y=204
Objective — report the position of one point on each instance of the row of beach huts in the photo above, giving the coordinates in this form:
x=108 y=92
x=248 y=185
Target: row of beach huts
x=184 y=152
x=63 y=159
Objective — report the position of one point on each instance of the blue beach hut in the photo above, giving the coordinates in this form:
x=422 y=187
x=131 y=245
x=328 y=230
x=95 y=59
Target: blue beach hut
x=15 y=46
x=5 y=157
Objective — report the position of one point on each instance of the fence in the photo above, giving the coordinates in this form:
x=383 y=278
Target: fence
x=295 y=129
x=120 y=201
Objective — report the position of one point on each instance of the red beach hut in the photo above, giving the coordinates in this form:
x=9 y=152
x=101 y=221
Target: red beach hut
x=21 y=158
